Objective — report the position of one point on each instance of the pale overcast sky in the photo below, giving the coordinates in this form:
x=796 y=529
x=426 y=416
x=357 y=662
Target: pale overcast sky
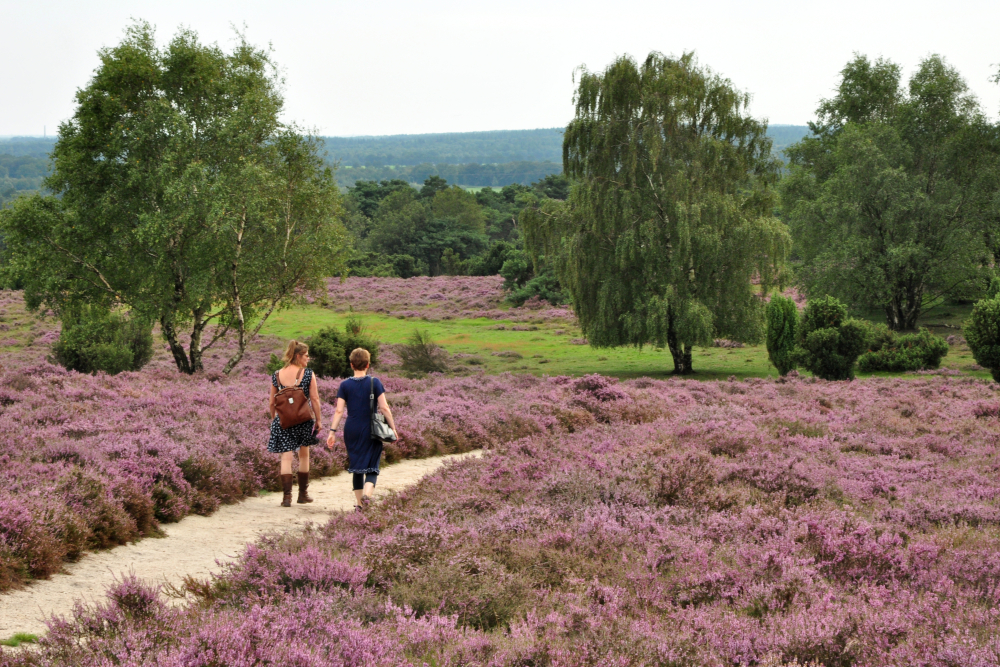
x=370 y=67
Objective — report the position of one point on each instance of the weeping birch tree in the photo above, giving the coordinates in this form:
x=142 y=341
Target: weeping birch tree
x=671 y=223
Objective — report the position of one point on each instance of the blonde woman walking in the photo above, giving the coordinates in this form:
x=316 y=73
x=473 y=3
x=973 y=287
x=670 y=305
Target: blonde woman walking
x=363 y=452
x=301 y=436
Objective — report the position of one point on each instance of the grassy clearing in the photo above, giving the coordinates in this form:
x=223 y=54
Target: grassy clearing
x=547 y=348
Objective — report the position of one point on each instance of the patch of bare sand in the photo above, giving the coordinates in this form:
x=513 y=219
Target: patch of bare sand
x=194 y=546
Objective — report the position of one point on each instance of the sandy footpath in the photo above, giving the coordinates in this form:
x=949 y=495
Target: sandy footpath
x=193 y=545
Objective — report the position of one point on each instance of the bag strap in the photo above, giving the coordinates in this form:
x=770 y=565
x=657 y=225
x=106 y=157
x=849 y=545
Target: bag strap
x=298 y=380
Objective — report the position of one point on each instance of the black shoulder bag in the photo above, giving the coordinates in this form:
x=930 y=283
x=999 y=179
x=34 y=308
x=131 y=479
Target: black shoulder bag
x=380 y=430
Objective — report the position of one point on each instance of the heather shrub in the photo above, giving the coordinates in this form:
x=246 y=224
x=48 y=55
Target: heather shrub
x=753 y=523
x=782 y=323
x=421 y=355
x=982 y=333
x=483 y=594
x=829 y=343
x=94 y=339
x=893 y=352
x=330 y=349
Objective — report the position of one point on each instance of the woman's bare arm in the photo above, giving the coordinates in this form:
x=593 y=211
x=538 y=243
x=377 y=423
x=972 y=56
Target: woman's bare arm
x=270 y=402
x=337 y=415
x=383 y=406
x=316 y=405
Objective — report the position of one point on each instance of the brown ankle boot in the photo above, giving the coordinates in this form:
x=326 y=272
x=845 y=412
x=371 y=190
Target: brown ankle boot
x=303 y=488
x=286 y=486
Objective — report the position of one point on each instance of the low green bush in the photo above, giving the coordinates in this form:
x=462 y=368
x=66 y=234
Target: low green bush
x=369 y=264
x=95 y=339
x=891 y=352
x=829 y=343
x=330 y=349
x=782 y=324
x=420 y=355
x=522 y=283
x=982 y=333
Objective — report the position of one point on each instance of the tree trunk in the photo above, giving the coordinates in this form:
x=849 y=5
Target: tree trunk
x=188 y=361
x=904 y=308
x=195 y=347
x=180 y=356
x=681 y=352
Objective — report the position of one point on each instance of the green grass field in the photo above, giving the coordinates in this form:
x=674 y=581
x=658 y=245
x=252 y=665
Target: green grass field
x=547 y=349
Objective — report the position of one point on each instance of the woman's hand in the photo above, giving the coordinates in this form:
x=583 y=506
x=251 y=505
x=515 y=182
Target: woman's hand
x=331 y=439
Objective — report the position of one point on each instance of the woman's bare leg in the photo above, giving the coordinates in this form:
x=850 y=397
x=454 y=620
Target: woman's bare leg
x=357 y=496
x=303 y=459
x=286 y=463
x=369 y=490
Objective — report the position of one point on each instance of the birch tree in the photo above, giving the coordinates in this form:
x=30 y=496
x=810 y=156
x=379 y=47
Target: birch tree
x=180 y=195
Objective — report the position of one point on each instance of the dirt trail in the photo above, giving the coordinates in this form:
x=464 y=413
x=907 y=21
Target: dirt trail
x=193 y=545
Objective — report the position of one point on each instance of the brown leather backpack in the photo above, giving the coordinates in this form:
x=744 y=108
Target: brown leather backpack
x=291 y=404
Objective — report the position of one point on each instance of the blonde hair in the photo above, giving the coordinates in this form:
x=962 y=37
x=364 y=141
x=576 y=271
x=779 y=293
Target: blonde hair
x=294 y=349
x=360 y=358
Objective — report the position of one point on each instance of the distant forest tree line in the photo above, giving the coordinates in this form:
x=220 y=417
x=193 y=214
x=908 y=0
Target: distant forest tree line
x=467 y=159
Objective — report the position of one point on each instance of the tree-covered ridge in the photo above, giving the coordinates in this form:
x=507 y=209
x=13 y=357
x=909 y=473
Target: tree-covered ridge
x=783 y=136
x=466 y=175
x=20 y=174
x=448 y=148
x=469 y=159
x=38 y=147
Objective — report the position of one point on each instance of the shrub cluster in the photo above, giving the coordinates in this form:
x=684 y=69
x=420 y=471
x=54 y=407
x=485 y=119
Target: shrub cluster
x=95 y=339
x=829 y=343
x=330 y=350
x=893 y=352
x=747 y=523
x=982 y=333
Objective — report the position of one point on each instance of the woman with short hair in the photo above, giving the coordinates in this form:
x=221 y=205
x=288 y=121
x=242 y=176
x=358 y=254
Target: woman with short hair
x=363 y=453
x=284 y=441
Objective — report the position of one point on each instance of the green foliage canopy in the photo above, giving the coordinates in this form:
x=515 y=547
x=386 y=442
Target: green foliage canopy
x=673 y=215
x=889 y=201
x=182 y=197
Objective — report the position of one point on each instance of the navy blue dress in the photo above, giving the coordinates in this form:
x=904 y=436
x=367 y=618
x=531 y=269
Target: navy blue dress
x=363 y=453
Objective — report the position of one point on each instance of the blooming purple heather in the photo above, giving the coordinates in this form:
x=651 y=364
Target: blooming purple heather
x=439 y=298
x=762 y=522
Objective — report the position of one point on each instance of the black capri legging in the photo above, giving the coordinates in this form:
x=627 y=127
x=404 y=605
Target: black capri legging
x=361 y=478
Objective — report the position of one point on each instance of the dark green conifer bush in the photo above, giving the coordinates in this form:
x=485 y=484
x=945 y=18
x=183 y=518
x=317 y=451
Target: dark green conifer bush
x=330 y=349
x=982 y=333
x=782 y=324
x=896 y=353
x=829 y=343
x=96 y=339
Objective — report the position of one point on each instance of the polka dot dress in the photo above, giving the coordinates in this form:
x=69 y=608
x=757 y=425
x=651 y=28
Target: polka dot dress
x=288 y=440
